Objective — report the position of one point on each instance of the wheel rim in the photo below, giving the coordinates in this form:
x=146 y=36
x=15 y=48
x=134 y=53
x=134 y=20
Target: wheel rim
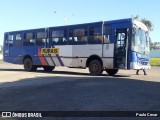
x=94 y=68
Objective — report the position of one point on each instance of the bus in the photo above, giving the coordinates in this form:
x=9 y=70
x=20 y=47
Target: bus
x=99 y=46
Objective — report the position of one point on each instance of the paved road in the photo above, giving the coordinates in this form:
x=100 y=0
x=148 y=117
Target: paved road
x=74 y=89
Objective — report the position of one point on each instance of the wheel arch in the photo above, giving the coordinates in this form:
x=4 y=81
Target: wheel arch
x=92 y=57
x=27 y=56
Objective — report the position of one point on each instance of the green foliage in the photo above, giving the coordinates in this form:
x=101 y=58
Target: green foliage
x=147 y=22
x=155 y=61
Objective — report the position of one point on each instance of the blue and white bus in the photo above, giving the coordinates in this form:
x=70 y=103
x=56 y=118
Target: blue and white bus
x=99 y=46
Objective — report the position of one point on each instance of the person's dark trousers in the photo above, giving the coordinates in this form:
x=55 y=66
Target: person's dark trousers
x=144 y=72
x=137 y=72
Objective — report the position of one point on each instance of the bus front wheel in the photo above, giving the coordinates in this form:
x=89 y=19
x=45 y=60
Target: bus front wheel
x=28 y=65
x=111 y=72
x=48 y=68
x=95 y=67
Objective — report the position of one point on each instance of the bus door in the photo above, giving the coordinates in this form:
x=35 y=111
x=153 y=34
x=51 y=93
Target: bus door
x=16 y=49
x=6 y=45
x=121 y=48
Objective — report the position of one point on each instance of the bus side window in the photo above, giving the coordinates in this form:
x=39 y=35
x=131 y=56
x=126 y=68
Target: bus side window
x=95 y=35
x=80 y=36
x=59 y=37
x=29 y=39
x=72 y=40
x=10 y=40
x=18 y=41
x=107 y=34
x=121 y=37
x=40 y=38
x=6 y=40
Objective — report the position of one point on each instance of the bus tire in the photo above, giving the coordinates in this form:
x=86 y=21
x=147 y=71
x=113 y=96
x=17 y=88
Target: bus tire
x=48 y=68
x=95 y=67
x=28 y=65
x=112 y=72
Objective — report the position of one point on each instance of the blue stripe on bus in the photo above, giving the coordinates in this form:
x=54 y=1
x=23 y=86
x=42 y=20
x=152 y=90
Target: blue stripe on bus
x=52 y=60
x=59 y=59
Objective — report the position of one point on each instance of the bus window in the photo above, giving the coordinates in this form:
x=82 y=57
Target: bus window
x=80 y=36
x=18 y=41
x=59 y=37
x=29 y=39
x=40 y=38
x=71 y=40
x=6 y=40
x=121 y=37
x=10 y=40
x=107 y=34
x=95 y=35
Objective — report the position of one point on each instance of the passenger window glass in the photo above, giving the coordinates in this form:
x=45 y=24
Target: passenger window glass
x=40 y=40
x=59 y=37
x=29 y=39
x=10 y=40
x=6 y=40
x=107 y=34
x=95 y=35
x=71 y=40
x=121 y=41
x=18 y=41
x=80 y=36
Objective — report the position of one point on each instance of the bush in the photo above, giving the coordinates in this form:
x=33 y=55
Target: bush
x=155 y=61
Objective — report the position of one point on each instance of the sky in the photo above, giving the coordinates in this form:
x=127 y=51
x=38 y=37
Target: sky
x=30 y=14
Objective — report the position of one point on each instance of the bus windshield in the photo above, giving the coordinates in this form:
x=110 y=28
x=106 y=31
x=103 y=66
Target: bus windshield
x=140 y=41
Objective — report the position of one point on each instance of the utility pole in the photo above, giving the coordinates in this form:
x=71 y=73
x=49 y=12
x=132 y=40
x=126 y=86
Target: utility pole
x=65 y=16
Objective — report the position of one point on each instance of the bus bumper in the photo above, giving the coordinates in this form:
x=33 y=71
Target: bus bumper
x=137 y=66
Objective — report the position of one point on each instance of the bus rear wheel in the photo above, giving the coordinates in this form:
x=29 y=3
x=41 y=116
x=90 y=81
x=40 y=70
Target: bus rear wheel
x=111 y=72
x=95 y=68
x=48 y=68
x=28 y=65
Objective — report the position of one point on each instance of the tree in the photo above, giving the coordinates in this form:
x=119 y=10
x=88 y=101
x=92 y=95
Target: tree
x=147 y=22
x=149 y=25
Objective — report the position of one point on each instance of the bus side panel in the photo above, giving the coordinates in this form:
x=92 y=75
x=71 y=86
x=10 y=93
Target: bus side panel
x=64 y=58
x=6 y=56
x=76 y=55
x=31 y=51
x=80 y=55
x=108 y=54
x=95 y=49
x=108 y=63
x=83 y=52
x=16 y=55
x=71 y=55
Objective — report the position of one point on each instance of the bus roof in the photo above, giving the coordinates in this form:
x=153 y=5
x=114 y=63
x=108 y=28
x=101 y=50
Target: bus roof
x=131 y=20
x=60 y=27
x=119 y=21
